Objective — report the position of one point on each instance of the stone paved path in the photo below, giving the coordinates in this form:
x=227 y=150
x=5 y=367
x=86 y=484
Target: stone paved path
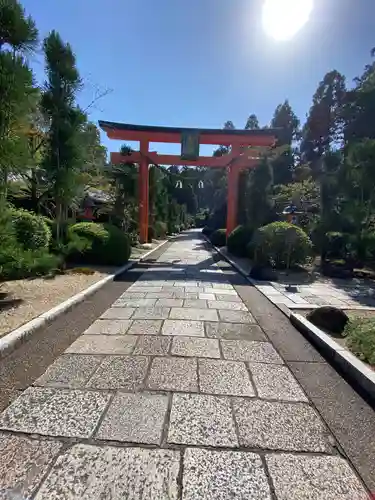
x=174 y=393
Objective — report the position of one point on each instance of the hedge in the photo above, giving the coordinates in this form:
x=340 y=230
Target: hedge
x=105 y=244
x=219 y=238
x=238 y=240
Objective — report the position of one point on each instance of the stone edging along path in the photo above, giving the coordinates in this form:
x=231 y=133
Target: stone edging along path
x=12 y=340
x=356 y=372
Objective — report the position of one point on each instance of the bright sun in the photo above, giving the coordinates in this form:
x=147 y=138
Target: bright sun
x=282 y=19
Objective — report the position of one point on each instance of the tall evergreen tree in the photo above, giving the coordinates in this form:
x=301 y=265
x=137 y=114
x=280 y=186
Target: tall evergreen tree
x=63 y=152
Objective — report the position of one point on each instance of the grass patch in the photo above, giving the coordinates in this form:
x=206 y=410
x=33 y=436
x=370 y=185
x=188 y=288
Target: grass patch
x=360 y=338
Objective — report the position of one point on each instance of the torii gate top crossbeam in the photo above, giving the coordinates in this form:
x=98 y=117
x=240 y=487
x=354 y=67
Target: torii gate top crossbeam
x=225 y=137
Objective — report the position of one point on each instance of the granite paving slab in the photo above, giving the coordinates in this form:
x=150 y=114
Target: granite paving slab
x=23 y=464
x=118 y=313
x=145 y=327
x=229 y=378
x=235 y=316
x=170 y=302
x=103 y=344
x=55 y=412
x=193 y=346
x=152 y=345
x=70 y=370
x=96 y=473
x=185 y=328
x=244 y=350
x=299 y=477
x=136 y=418
x=134 y=302
x=234 y=331
x=108 y=327
x=280 y=426
x=198 y=419
x=225 y=304
x=194 y=314
x=223 y=475
x=276 y=382
x=157 y=312
x=173 y=374
x=120 y=372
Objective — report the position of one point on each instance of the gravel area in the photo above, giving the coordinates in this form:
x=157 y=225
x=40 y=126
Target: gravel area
x=36 y=296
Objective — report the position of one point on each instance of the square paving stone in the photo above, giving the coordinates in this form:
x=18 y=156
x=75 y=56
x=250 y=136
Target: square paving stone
x=23 y=464
x=145 y=327
x=152 y=346
x=173 y=374
x=118 y=313
x=159 y=295
x=224 y=377
x=232 y=306
x=194 y=314
x=223 y=475
x=276 y=382
x=70 y=370
x=299 y=477
x=234 y=331
x=221 y=291
x=235 y=316
x=96 y=473
x=227 y=298
x=170 y=302
x=186 y=328
x=156 y=312
x=186 y=295
x=223 y=286
x=103 y=344
x=134 y=303
x=136 y=418
x=281 y=426
x=55 y=412
x=243 y=350
x=195 y=303
x=144 y=289
x=120 y=372
x=196 y=347
x=206 y=296
x=108 y=327
x=133 y=295
x=199 y=419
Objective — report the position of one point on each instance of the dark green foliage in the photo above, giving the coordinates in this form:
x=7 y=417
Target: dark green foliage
x=336 y=245
x=329 y=318
x=160 y=229
x=238 y=240
x=18 y=263
x=31 y=230
x=218 y=238
x=207 y=230
x=360 y=335
x=106 y=244
x=281 y=245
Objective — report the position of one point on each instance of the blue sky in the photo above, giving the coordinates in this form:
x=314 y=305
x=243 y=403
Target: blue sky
x=198 y=63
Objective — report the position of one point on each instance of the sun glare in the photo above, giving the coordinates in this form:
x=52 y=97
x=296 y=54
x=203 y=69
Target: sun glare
x=282 y=19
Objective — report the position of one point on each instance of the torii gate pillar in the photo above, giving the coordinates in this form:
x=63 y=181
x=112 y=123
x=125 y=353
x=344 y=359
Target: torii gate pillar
x=143 y=190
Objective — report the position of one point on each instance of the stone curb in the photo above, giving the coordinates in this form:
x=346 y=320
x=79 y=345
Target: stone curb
x=355 y=370
x=20 y=335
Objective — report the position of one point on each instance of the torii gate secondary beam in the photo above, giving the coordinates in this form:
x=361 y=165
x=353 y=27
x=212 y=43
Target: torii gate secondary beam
x=239 y=158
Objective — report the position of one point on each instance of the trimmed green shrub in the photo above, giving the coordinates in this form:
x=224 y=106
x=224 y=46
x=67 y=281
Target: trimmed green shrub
x=219 y=238
x=281 y=245
x=104 y=244
x=336 y=245
x=207 y=231
x=238 y=240
x=360 y=334
x=31 y=230
x=17 y=263
x=161 y=229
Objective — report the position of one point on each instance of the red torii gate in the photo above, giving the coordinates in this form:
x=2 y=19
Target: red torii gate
x=240 y=157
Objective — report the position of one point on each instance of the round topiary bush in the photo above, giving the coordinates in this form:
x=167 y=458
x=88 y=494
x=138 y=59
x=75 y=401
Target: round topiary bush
x=219 y=238
x=31 y=230
x=106 y=244
x=238 y=240
x=207 y=230
x=281 y=245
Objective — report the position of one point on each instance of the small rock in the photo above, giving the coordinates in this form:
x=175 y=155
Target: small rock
x=262 y=273
x=329 y=318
